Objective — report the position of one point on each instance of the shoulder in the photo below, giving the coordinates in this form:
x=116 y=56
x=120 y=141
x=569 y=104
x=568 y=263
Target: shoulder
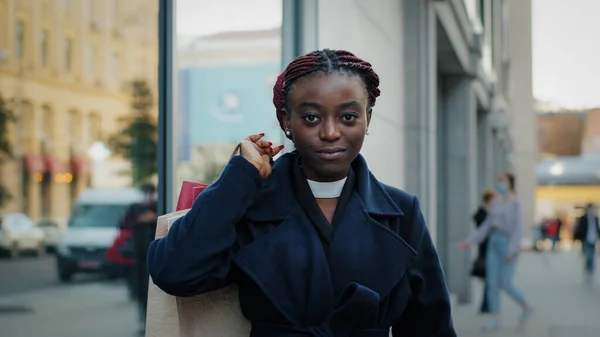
x=404 y=200
x=412 y=227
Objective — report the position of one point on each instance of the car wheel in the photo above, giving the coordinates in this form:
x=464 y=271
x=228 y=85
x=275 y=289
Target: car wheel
x=65 y=276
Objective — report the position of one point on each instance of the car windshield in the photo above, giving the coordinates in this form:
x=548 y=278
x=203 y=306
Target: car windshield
x=97 y=215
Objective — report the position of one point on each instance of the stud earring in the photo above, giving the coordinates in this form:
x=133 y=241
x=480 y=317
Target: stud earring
x=288 y=133
x=367 y=132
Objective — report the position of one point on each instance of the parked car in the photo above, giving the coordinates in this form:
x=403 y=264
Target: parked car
x=51 y=234
x=92 y=229
x=19 y=234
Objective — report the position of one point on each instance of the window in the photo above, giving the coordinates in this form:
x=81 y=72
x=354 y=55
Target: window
x=482 y=12
x=68 y=53
x=20 y=38
x=113 y=11
x=44 y=48
x=72 y=126
x=94 y=127
x=90 y=66
x=220 y=100
x=113 y=68
x=40 y=124
x=90 y=10
x=45 y=123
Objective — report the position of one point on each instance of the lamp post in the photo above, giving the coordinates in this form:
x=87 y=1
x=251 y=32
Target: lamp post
x=98 y=152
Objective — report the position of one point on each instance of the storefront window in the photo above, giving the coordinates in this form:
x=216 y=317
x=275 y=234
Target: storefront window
x=227 y=56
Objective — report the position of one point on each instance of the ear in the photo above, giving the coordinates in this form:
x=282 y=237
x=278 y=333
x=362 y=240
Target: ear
x=369 y=113
x=287 y=119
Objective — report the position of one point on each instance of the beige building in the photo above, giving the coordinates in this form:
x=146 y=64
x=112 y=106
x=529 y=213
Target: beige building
x=64 y=65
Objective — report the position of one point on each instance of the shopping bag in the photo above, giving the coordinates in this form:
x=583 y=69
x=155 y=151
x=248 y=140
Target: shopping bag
x=214 y=314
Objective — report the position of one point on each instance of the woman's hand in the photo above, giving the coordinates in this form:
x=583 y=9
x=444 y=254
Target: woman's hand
x=259 y=153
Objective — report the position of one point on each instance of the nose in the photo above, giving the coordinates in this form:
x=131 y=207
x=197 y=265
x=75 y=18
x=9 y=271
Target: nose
x=330 y=130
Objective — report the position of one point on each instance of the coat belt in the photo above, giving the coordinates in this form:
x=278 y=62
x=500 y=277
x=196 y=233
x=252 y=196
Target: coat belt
x=356 y=303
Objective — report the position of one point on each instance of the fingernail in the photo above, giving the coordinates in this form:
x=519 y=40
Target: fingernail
x=270 y=144
x=281 y=146
x=262 y=134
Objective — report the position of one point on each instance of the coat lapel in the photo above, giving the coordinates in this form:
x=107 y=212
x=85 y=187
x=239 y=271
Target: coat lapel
x=287 y=259
x=365 y=250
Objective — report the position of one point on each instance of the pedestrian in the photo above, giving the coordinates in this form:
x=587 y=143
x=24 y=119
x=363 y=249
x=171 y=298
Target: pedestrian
x=315 y=243
x=503 y=227
x=553 y=229
x=479 y=218
x=587 y=231
x=141 y=218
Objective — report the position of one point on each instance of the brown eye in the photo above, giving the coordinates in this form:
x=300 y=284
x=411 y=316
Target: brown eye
x=310 y=118
x=349 y=117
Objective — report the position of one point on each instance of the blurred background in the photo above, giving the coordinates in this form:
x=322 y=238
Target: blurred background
x=99 y=98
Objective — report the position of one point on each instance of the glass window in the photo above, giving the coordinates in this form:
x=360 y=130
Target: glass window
x=227 y=60
x=90 y=10
x=90 y=65
x=20 y=38
x=113 y=68
x=97 y=215
x=68 y=53
x=44 y=48
x=113 y=11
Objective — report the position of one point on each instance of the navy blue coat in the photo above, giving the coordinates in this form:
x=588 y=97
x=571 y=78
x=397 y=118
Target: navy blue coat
x=380 y=269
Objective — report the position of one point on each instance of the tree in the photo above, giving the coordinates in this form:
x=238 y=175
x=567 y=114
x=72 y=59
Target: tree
x=137 y=141
x=6 y=117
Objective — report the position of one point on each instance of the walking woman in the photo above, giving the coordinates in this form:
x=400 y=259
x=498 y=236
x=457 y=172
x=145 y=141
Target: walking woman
x=503 y=228
x=479 y=218
x=316 y=244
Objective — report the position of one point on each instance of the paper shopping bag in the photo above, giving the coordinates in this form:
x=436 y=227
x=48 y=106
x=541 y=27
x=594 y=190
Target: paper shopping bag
x=214 y=314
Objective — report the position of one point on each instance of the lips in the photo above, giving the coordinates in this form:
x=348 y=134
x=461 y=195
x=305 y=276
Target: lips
x=330 y=153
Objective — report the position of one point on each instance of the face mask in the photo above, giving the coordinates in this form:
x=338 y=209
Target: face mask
x=501 y=188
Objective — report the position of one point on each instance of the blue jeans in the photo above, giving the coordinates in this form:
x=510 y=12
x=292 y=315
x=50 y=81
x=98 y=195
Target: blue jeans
x=589 y=249
x=500 y=273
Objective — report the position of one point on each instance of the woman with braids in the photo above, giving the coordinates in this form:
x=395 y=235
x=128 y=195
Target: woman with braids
x=316 y=244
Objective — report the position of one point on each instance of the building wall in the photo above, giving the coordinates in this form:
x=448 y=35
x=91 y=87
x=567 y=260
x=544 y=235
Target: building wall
x=524 y=152
x=591 y=135
x=373 y=31
x=70 y=76
x=560 y=134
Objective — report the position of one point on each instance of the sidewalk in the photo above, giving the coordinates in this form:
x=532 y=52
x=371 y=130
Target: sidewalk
x=566 y=305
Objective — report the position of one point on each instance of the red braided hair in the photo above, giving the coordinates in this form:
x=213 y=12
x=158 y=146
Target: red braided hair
x=326 y=61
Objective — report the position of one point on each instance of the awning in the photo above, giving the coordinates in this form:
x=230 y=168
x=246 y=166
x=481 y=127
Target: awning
x=80 y=164
x=56 y=165
x=34 y=163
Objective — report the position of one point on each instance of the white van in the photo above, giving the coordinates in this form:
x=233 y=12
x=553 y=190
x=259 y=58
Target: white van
x=92 y=229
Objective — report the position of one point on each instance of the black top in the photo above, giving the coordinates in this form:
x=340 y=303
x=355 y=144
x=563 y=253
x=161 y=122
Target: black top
x=479 y=218
x=311 y=207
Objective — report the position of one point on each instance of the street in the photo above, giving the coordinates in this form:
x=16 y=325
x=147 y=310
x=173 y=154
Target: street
x=34 y=304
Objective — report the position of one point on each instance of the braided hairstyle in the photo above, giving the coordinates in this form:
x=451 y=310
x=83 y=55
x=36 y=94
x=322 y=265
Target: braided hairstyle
x=324 y=61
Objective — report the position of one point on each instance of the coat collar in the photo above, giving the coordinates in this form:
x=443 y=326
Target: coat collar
x=276 y=194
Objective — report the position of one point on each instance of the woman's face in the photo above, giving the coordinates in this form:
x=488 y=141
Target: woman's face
x=328 y=119
x=503 y=185
x=503 y=180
